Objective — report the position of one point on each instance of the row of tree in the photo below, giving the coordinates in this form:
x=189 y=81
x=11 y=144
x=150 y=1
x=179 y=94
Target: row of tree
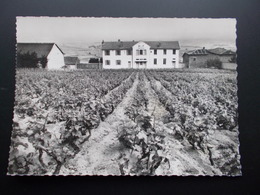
x=216 y=63
x=30 y=60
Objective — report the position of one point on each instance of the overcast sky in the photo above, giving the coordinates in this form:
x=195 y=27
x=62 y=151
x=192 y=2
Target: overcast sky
x=75 y=29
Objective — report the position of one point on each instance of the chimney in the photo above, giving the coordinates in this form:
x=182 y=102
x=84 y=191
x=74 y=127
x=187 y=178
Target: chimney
x=102 y=42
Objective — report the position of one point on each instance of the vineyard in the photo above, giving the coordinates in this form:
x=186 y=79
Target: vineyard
x=125 y=122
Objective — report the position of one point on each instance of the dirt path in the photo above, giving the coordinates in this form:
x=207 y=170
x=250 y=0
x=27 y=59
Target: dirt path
x=99 y=155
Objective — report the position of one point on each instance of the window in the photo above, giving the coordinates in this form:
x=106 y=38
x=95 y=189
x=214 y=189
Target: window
x=164 y=51
x=129 y=52
x=174 y=51
x=194 y=59
x=118 y=52
x=107 y=62
x=155 y=61
x=155 y=52
x=164 y=60
x=118 y=62
x=107 y=52
x=140 y=52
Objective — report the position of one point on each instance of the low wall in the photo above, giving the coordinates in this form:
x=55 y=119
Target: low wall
x=229 y=66
x=89 y=66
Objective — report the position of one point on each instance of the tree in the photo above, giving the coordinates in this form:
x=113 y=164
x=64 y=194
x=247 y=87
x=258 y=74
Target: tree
x=43 y=61
x=93 y=60
x=233 y=59
x=214 y=63
x=30 y=60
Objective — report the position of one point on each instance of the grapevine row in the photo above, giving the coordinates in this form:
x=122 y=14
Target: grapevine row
x=145 y=143
x=73 y=117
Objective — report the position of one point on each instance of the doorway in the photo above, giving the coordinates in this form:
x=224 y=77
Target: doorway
x=129 y=64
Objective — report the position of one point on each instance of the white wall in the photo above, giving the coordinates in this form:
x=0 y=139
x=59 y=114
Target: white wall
x=141 y=58
x=55 y=58
x=113 y=57
x=169 y=56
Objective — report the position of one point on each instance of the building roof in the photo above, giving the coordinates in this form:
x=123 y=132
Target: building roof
x=221 y=51
x=41 y=49
x=163 y=44
x=216 y=51
x=70 y=60
x=197 y=52
x=122 y=45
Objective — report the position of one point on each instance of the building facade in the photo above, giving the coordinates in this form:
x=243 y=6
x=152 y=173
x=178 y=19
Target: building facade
x=140 y=55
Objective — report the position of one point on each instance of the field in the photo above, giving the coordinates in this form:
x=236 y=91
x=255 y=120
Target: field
x=125 y=122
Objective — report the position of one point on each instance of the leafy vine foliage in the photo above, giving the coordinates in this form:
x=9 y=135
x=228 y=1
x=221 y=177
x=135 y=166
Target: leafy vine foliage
x=145 y=142
x=55 y=113
x=199 y=104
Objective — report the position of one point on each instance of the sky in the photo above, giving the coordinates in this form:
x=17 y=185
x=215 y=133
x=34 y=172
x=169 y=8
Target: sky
x=84 y=30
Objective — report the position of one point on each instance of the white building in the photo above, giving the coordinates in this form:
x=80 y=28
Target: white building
x=142 y=54
x=55 y=56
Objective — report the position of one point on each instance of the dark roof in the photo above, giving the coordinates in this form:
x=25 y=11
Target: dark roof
x=120 y=45
x=163 y=44
x=216 y=51
x=41 y=49
x=197 y=52
x=70 y=60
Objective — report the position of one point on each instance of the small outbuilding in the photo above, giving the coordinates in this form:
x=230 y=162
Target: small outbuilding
x=198 y=58
x=53 y=55
x=90 y=62
x=71 y=62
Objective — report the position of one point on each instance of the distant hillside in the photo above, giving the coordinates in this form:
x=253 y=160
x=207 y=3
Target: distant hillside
x=81 y=49
x=91 y=50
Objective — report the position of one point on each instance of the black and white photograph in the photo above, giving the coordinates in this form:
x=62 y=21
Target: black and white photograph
x=99 y=96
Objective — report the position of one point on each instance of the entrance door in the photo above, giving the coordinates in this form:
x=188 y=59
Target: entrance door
x=174 y=64
x=129 y=64
x=142 y=65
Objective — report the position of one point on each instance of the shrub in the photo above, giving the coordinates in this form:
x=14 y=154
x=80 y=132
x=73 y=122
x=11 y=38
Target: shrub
x=93 y=60
x=30 y=60
x=214 y=63
x=233 y=59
